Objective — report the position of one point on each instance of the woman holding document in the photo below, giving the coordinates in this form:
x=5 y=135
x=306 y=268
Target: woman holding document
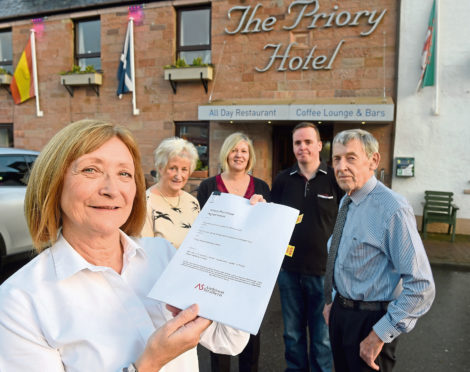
x=82 y=304
x=237 y=159
x=171 y=210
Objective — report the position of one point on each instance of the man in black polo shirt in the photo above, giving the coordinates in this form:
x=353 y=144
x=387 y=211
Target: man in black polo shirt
x=309 y=186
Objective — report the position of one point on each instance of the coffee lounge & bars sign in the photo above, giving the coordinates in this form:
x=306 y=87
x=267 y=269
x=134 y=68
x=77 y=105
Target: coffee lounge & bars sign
x=314 y=17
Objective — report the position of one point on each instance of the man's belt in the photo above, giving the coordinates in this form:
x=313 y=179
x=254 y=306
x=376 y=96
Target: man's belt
x=361 y=305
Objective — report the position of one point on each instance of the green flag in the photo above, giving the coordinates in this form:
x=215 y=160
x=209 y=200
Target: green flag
x=428 y=56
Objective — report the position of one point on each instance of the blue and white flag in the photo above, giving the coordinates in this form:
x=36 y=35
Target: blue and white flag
x=124 y=73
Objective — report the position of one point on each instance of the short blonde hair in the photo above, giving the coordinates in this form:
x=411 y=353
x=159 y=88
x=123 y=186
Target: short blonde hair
x=43 y=194
x=229 y=144
x=171 y=147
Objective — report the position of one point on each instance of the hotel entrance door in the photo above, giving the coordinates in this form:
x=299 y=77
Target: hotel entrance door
x=283 y=157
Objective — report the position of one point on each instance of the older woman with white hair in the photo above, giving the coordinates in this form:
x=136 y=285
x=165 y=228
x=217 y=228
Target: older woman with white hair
x=171 y=210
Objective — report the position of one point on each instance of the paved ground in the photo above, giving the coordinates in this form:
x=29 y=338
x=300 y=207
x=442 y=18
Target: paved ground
x=439 y=343
x=445 y=252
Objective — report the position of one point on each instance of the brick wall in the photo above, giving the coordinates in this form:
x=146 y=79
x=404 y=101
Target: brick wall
x=357 y=72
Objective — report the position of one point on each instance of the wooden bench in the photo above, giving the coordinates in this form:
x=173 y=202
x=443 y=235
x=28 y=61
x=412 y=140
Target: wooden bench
x=438 y=207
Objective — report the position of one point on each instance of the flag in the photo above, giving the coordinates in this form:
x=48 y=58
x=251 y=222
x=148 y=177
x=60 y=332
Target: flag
x=428 y=55
x=124 y=74
x=22 y=84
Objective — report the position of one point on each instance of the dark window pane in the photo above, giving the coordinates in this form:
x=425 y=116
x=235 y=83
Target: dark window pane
x=6 y=135
x=89 y=38
x=198 y=134
x=195 y=27
x=6 y=54
x=14 y=171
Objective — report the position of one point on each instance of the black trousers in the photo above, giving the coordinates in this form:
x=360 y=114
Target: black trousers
x=348 y=327
x=247 y=359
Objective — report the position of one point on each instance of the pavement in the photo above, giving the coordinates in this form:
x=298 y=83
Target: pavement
x=447 y=253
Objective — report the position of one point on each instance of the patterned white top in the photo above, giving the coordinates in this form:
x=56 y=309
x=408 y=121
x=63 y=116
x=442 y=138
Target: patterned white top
x=169 y=218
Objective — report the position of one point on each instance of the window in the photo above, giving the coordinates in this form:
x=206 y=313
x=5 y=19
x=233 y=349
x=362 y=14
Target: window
x=194 y=34
x=6 y=135
x=6 y=54
x=88 y=43
x=198 y=134
x=15 y=169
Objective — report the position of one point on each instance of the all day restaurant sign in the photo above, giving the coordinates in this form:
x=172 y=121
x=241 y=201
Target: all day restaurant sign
x=248 y=22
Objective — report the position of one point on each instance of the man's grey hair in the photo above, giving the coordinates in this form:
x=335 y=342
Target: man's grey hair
x=368 y=141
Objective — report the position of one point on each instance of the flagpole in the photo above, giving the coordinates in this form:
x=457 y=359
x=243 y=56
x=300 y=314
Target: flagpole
x=39 y=113
x=436 y=61
x=135 y=110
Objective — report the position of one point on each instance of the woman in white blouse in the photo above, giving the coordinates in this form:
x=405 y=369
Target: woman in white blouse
x=81 y=304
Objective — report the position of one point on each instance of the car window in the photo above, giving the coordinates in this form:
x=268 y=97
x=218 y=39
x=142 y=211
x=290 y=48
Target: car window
x=15 y=169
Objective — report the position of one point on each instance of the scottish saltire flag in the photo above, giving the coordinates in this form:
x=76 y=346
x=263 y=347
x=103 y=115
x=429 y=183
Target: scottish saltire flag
x=124 y=73
x=22 y=84
x=429 y=51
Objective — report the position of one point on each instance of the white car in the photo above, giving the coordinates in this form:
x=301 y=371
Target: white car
x=15 y=167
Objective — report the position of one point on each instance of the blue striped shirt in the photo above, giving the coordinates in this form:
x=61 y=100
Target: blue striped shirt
x=381 y=258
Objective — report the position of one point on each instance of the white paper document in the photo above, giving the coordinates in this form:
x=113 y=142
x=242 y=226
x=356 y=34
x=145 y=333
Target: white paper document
x=229 y=261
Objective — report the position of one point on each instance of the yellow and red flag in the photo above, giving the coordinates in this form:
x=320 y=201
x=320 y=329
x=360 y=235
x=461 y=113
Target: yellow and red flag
x=22 y=84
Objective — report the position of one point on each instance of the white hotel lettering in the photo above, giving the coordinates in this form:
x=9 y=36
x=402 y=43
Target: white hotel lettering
x=302 y=9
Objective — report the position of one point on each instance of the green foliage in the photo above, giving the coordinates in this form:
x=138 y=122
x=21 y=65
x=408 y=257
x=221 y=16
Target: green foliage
x=181 y=63
x=197 y=62
x=199 y=166
x=4 y=72
x=90 y=69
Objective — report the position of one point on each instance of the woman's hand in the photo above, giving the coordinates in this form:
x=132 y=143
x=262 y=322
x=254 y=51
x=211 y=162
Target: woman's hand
x=257 y=198
x=171 y=340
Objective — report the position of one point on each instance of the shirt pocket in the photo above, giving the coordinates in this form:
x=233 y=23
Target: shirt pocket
x=325 y=196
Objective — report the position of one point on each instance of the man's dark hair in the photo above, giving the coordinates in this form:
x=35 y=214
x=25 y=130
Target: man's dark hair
x=306 y=124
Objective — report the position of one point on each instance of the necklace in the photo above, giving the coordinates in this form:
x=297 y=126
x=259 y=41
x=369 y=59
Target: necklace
x=237 y=187
x=164 y=198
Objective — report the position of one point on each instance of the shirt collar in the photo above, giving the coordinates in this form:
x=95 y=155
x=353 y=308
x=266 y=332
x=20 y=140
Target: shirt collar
x=67 y=261
x=321 y=168
x=359 y=195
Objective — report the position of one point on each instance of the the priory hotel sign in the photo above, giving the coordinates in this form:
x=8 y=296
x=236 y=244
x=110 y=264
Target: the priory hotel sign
x=248 y=21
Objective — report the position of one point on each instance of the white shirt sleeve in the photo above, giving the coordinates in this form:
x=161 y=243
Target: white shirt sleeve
x=222 y=339
x=19 y=329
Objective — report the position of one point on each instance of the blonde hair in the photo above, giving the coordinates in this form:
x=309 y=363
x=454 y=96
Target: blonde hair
x=171 y=147
x=42 y=200
x=229 y=144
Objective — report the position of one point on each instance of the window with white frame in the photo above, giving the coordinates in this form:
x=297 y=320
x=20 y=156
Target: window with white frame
x=6 y=53
x=88 y=43
x=194 y=34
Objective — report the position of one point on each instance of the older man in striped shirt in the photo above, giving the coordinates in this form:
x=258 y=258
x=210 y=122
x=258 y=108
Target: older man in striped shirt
x=377 y=270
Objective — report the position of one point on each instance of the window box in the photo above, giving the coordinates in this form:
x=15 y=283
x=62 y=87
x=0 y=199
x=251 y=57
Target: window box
x=92 y=79
x=82 y=79
x=189 y=73
x=200 y=174
x=194 y=73
x=5 y=79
